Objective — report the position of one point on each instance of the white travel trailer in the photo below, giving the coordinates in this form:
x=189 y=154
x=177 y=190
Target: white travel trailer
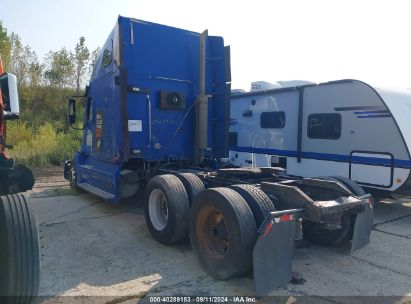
x=339 y=128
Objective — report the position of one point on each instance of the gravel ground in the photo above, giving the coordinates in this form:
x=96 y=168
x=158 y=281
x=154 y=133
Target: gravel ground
x=94 y=252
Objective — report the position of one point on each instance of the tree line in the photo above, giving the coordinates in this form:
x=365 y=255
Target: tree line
x=44 y=85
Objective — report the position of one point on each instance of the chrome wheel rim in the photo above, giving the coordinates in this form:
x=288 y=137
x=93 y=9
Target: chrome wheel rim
x=158 y=209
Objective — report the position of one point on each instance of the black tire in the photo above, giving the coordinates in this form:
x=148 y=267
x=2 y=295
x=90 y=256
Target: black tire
x=173 y=226
x=259 y=203
x=222 y=232
x=26 y=179
x=3 y=188
x=314 y=232
x=19 y=250
x=193 y=185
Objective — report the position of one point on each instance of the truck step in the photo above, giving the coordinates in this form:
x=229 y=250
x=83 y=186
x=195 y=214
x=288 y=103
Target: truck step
x=103 y=194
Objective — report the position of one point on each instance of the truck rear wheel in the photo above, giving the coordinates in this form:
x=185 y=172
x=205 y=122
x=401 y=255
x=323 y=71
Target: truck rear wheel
x=332 y=237
x=222 y=232
x=259 y=203
x=192 y=183
x=166 y=208
x=19 y=250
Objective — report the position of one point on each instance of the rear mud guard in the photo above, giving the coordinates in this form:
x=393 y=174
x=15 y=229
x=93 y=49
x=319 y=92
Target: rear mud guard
x=363 y=225
x=273 y=251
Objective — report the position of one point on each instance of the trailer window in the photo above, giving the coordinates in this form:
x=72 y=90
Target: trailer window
x=324 y=126
x=272 y=120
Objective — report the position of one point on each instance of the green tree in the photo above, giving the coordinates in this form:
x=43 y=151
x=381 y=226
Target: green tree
x=4 y=45
x=81 y=58
x=93 y=60
x=60 y=71
x=21 y=60
x=15 y=64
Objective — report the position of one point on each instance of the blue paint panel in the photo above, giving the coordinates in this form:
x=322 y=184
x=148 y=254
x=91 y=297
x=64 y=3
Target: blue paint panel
x=161 y=59
x=398 y=163
x=99 y=174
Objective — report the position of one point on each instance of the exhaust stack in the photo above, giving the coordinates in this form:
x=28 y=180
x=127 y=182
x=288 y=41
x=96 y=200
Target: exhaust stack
x=201 y=105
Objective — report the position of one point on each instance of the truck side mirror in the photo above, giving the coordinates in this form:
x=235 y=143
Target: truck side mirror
x=71 y=117
x=10 y=96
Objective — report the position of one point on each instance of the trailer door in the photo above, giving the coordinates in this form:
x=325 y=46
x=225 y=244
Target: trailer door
x=371 y=168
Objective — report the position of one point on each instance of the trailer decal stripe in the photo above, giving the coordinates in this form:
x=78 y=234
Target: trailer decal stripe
x=360 y=108
x=372 y=112
x=374 y=116
x=376 y=161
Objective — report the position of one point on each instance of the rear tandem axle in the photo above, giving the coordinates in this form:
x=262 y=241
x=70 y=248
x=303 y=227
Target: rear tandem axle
x=243 y=218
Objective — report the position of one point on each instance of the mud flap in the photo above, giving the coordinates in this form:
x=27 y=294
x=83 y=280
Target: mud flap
x=363 y=226
x=273 y=252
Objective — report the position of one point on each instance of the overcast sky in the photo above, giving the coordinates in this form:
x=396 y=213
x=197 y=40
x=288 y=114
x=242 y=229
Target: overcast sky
x=270 y=40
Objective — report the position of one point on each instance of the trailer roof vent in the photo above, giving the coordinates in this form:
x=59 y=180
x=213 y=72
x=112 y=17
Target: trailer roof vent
x=263 y=85
x=237 y=91
x=294 y=83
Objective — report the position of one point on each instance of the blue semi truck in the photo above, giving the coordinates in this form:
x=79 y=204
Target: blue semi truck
x=155 y=129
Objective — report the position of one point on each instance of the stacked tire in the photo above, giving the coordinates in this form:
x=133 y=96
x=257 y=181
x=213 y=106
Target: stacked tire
x=19 y=250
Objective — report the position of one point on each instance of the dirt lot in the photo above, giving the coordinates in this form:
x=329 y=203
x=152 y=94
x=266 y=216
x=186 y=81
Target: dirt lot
x=92 y=248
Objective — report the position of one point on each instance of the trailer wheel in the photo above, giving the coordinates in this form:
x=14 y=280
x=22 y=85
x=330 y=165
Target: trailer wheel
x=222 y=232
x=19 y=250
x=192 y=183
x=333 y=237
x=259 y=203
x=166 y=208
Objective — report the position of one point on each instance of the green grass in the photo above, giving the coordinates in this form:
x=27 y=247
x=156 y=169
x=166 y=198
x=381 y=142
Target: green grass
x=41 y=147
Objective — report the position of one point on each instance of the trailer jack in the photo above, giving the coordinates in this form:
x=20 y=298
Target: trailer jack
x=273 y=252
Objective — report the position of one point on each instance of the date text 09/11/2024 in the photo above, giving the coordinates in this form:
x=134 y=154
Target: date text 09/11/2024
x=202 y=299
